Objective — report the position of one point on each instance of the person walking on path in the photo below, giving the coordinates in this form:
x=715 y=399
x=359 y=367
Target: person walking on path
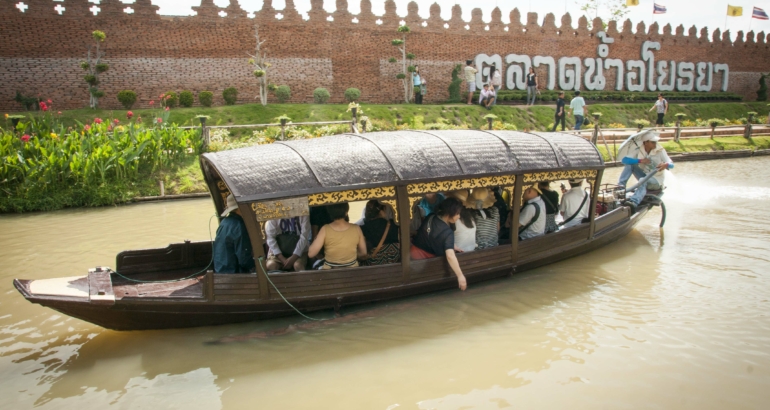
x=578 y=105
x=495 y=80
x=417 y=81
x=662 y=106
x=531 y=86
x=560 y=114
x=470 y=78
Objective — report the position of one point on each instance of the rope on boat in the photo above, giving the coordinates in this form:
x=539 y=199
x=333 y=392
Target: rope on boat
x=281 y=294
x=175 y=280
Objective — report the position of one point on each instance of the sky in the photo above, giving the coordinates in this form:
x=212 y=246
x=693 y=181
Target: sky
x=709 y=13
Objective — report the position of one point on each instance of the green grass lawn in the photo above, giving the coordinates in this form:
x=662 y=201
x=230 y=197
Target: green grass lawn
x=390 y=116
x=703 y=145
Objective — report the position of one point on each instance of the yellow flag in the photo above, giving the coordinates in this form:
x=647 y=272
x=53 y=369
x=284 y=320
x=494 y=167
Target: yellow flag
x=632 y=2
x=734 y=11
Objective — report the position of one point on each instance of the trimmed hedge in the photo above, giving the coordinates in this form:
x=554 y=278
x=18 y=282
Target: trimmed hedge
x=352 y=94
x=171 y=102
x=206 y=98
x=230 y=95
x=127 y=98
x=616 y=96
x=186 y=99
x=283 y=93
x=321 y=95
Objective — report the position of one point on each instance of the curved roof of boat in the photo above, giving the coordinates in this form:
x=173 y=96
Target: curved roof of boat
x=332 y=163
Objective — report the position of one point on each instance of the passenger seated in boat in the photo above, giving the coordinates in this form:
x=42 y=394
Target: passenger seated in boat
x=381 y=235
x=482 y=201
x=532 y=214
x=575 y=204
x=232 y=246
x=424 y=207
x=435 y=237
x=287 y=243
x=502 y=198
x=652 y=156
x=551 y=200
x=343 y=242
x=318 y=218
x=390 y=213
x=465 y=227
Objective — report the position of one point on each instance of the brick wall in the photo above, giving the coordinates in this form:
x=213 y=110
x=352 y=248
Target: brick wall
x=40 y=51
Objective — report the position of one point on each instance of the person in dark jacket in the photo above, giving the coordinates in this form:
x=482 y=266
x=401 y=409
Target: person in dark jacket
x=232 y=246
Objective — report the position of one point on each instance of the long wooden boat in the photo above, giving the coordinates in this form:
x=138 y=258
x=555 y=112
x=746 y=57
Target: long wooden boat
x=286 y=178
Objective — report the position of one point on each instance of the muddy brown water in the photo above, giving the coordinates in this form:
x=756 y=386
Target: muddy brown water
x=672 y=318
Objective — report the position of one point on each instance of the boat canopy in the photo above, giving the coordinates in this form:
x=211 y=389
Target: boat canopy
x=302 y=167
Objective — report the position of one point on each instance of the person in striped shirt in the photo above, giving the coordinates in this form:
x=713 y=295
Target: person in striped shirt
x=482 y=201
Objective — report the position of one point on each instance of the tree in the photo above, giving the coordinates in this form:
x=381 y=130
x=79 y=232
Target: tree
x=606 y=9
x=762 y=92
x=260 y=64
x=93 y=66
x=406 y=70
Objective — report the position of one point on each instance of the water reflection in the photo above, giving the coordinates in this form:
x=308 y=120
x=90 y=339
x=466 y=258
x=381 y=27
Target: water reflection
x=674 y=323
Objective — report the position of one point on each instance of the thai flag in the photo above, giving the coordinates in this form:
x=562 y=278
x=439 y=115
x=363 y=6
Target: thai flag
x=659 y=9
x=759 y=14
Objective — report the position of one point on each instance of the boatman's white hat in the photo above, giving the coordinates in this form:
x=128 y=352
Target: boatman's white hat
x=651 y=136
x=231 y=205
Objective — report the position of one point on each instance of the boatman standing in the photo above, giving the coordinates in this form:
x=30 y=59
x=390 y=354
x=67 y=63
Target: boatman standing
x=641 y=162
x=232 y=247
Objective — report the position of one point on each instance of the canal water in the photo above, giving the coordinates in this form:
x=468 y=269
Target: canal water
x=671 y=318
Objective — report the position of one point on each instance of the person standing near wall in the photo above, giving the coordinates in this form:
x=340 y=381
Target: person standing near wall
x=496 y=80
x=662 y=106
x=531 y=86
x=470 y=78
x=578 y=105
x=417 y=81
x=560 y=114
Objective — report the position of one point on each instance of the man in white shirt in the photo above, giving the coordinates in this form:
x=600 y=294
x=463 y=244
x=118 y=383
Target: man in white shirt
x=532 y=215
x=487 y=97
x=578 y=105
x=289 y=229
x=575 y=204
x=652 y=156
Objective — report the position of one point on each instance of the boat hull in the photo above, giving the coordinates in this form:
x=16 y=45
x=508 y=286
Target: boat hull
x=163 y=313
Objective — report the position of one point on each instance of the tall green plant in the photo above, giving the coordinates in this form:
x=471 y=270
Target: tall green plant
x=762 y=92
x=454 y=86
x=93 y=67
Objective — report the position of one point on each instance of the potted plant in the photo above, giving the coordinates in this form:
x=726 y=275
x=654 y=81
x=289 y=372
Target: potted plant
x=202 y=119
x=283 y=119
x=641 y=124
x=714 y=123
x=490 y=118
x=15 y=119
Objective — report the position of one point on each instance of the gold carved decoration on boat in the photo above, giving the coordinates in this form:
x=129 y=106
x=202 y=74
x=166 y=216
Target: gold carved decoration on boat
x=351 y=195
x=281 y=209
x=559 y=175
x=469 y=183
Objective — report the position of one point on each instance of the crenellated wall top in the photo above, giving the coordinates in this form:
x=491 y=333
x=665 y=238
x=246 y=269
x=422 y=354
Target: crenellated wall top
x=207 y=10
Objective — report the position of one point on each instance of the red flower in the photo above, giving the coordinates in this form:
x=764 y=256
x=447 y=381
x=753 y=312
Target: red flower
x=129 y=114
x=162 y=95
x=166 y=108
x=59 y=113
x=43 y=106
x=86 y=127
x=168 y=97
x=160 y=120
x=50 y=102
x=152 y=102
x=109 y=128
x=25 y=138
x=97 y=120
